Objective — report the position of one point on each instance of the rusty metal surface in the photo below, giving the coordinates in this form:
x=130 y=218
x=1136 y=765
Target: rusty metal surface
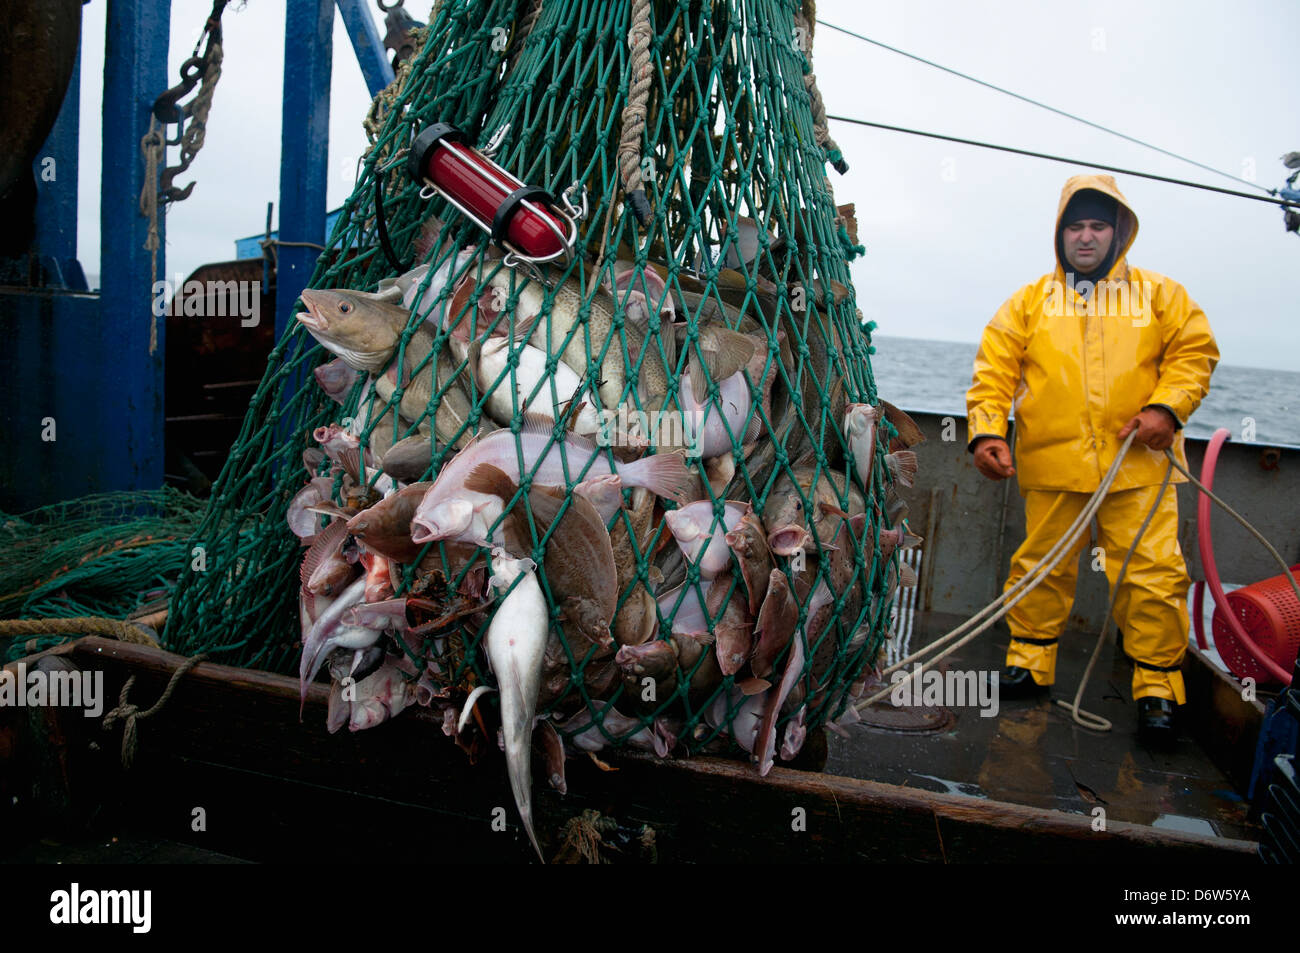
x=38 y=46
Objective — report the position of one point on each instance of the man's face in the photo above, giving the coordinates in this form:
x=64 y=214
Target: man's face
x=1086 y=244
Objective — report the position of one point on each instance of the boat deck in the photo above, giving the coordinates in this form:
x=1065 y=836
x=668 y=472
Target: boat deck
x=1032 y=753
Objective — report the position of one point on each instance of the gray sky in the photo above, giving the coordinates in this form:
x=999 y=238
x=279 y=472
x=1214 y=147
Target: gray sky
x=951 y=231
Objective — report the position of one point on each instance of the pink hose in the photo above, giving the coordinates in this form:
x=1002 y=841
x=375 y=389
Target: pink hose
x=1211 y=568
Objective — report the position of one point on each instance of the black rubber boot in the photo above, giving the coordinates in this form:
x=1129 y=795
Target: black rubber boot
x=1016 y=682
x=1155 y=725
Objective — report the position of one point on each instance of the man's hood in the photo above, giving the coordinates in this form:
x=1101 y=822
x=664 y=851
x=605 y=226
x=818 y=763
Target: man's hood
x=1126 y=222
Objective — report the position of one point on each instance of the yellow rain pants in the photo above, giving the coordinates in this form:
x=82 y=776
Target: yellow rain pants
x=1150 y=608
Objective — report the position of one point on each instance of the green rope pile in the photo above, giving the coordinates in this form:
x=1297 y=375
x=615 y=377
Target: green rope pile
x=104 y=556
x=728 y=150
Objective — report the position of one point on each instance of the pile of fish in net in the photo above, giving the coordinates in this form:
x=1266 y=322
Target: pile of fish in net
x=643 y=496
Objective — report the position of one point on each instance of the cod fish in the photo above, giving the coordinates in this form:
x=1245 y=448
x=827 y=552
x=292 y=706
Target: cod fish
x=591 y=337
x=516 y=642
x=360 y=327
x=530 y=376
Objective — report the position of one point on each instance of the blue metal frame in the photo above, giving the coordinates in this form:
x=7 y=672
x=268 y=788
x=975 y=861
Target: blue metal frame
x=367 y=43
x=128 y=379
x=304 y=148
x=84 y=360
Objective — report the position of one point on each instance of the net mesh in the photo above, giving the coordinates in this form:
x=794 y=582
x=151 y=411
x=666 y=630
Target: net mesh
x=104 y=556
x=742 y=232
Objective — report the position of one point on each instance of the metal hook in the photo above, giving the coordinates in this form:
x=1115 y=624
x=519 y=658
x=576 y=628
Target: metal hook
x=498 y=137
x=577 y=212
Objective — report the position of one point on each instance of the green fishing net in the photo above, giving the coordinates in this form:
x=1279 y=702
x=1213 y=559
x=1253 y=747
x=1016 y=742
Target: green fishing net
x=104 y=555
x=742 y=229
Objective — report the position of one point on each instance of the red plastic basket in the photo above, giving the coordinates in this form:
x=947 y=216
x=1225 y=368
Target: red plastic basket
x=1270 y=614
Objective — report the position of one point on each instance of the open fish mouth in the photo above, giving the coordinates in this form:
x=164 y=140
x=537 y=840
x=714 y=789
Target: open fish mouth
x=312 y=316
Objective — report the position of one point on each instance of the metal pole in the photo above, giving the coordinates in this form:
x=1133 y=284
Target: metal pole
x=367 y=44
x=304 y=149
x=124 y=415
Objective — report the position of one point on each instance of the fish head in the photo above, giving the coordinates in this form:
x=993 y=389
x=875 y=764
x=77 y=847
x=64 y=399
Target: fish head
x=684 y=526
x=360 y=328
x=789 y=539
x=784 y=508
x=505 y=568
x=444 y=520
x=859 y=419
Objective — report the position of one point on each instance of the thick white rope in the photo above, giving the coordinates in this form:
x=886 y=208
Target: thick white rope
x=1012 y=596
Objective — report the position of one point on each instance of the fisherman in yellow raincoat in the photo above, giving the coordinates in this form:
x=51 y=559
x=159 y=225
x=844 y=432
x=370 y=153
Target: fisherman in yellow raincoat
x=1084 y=356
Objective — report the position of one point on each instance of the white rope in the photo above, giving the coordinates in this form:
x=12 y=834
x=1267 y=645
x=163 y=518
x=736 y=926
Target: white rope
x=1013 y=595
x=1045 y=565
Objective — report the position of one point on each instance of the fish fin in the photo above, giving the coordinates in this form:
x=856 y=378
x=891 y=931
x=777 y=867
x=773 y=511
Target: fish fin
x=908 y=431
x=523 y=327
x=754 y=430
x=350 y=460
x=541 y=425
x=902 y=465
x=806 y=459
x=462 y=309
x=910 y=540
x=486 y=478
x=726 y=352
x=664 y=474
x=331 y=509
x=830 y=509
x=906 y=576
x=326 y=541
x=572 y=408
x=752 y=686
x=427 y=238
x=695 y=371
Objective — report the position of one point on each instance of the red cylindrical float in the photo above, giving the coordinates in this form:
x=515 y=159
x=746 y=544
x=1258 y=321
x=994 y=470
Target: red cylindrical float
x=519 y=217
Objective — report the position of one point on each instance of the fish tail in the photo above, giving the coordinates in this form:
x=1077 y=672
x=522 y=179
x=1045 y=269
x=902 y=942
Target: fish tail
x=902 y=464
x=663 y=474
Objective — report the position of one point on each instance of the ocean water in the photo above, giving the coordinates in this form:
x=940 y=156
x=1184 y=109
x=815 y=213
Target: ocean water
x=934 y=375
